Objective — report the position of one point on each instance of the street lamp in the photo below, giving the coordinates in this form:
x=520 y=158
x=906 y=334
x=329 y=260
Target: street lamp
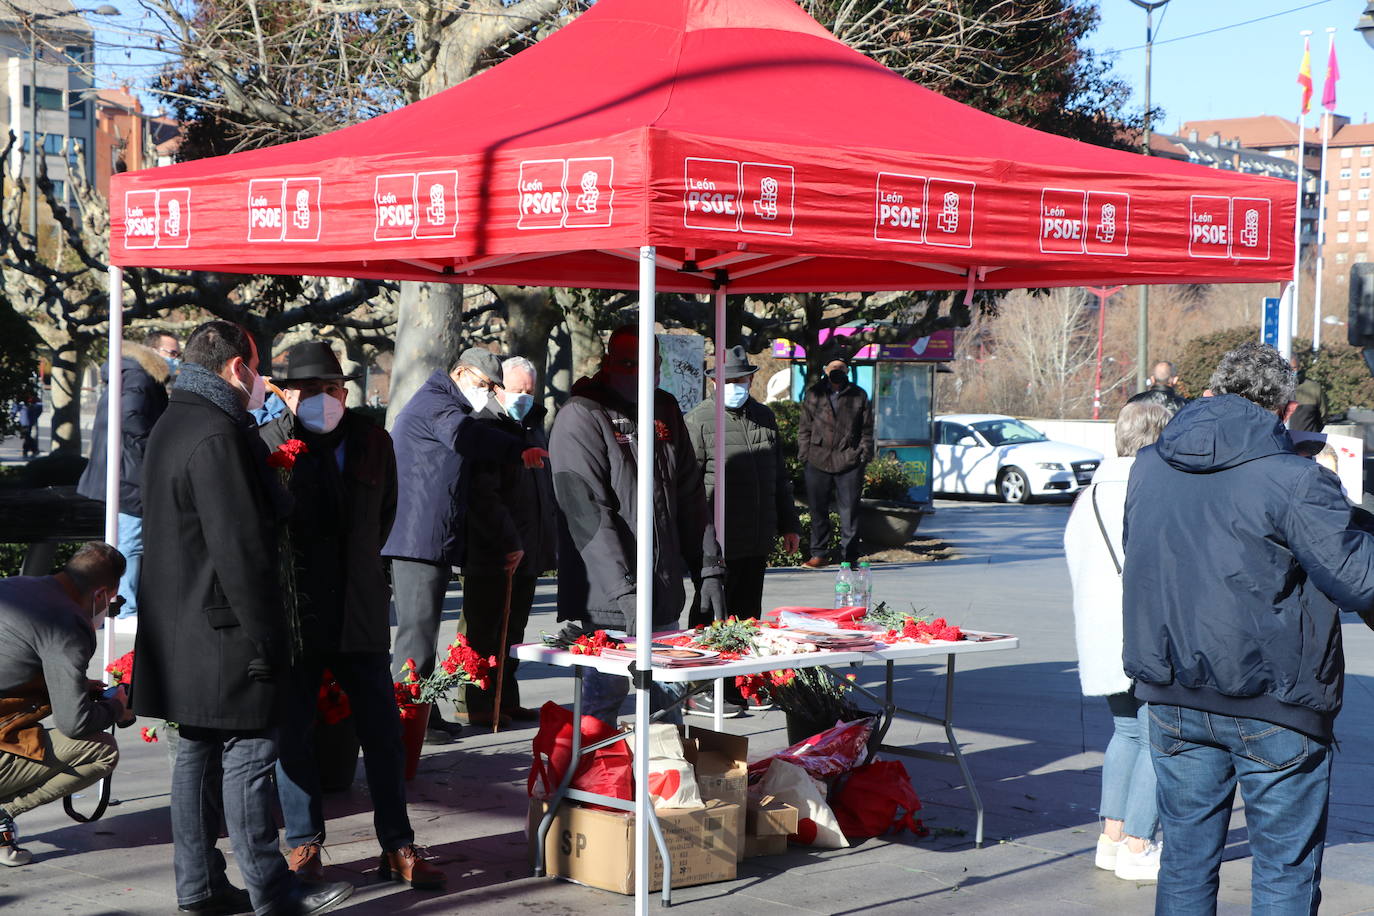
x=31 y=20
x=1142 y=349
x=1365 y=25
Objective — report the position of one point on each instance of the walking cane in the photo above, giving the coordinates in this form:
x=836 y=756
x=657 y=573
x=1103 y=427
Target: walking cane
x=501 y=659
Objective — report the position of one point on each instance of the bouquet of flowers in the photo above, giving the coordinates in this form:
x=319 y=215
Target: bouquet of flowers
x=332 y=706
x=460 y=667
x=121 y=669
x=284 y=460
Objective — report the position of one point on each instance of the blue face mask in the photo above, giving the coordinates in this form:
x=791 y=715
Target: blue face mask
x=519 y=406
x=736 y=393
x=173 y=364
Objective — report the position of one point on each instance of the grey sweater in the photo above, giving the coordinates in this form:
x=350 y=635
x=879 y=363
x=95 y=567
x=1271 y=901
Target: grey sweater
x=42 y=631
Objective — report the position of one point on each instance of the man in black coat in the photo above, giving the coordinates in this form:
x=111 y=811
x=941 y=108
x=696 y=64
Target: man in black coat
x=512 y=536
x=343 y=502
x=211 y=652
x=143 y=397
x=835 y=442
x=436 y=441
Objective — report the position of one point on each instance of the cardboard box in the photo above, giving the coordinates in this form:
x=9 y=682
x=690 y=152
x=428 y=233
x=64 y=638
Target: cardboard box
x=755 y=846
x=597 y=848
x=722 y=767
x=769 y=817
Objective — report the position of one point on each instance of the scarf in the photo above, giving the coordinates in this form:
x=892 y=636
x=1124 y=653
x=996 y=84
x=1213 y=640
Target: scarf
x=196 y=379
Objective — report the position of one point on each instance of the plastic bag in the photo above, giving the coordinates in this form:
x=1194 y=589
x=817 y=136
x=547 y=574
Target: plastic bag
x=826 y=754
x=608 y=771
x=836 y=616
x=672 y=781
x=816 y=823
x=877 y=798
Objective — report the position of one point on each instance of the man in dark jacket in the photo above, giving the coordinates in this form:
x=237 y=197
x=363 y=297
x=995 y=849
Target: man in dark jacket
x=343 y=501
x=143 y=398
x=212 y=645
x=47 y=638
x=835 y=442
x=435 y=442
x=758 y=507
x=1231 y=638
x=595 y=475
x=1310 y=414
x=512 y=513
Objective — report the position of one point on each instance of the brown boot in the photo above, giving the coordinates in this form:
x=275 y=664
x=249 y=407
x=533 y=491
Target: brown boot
x=305 y=862
x=406 y=866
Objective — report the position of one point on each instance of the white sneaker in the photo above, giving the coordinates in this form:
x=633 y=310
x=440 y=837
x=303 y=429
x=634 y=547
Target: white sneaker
x=1138 y=866
x=11 y=853
x=1107 y=852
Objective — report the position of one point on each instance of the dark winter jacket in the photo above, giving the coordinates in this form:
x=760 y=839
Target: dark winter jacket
x=144 y=397
x=435 y=439
x=1233 y=546
x=513 y=507
x=1310 y=414
x=759 y=504
x=340 y=517
x=594 y=474
x=211 y=605
x=839 y=436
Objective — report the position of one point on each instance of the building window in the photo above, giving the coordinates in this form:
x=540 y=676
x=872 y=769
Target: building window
x=1367 y=151
x=1361 y=257
x=77 y=146
x=1342 y=238
x=1347 y=152
x=1340 y=257
x=1362 y=216
x=1343 y=194
x=52 y=143
x=1362 y=236
x=1362 y=194
x=1343 y=216
x=1364 y=172
x=50 y=99
x=76 y=53
x=59 y=190
x=76 y=105
x=1345 y=173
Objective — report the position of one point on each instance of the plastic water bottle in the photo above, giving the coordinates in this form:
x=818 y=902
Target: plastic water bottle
x=863 y=590
x=844 y=586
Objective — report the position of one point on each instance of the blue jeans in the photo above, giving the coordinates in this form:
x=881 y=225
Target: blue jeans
x=604 y=694
x=366 y=678
x=1284 y=777
x=1128 y=773
x=240 y=764
x=131 y=545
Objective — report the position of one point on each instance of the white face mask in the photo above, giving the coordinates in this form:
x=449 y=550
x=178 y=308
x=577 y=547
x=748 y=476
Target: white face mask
x=320 y=413
x=257 y=392
x=101 y=608
x=477 y=397
x=735 y=394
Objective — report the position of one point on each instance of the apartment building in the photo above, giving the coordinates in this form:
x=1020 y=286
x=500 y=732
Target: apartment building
x=46 y=54
x=127 y=138
x=1349 y=235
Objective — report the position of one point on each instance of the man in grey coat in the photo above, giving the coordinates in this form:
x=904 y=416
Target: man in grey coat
x=47 y=638
x=759 y=507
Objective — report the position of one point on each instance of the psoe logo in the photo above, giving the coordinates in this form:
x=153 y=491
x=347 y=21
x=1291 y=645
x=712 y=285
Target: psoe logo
x=1250 y=221
x=174 y=205
x=1209 y=226
x=140 y=219
x=543 y=199
x=950 y=205
x=303 y=208
x=771 y=198
x=592 y=191
x=265 y=221
x=437 y=200
x=393 y=201
x=711 y=199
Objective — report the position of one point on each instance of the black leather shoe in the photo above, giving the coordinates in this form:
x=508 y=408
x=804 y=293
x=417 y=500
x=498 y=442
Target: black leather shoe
x=228 y=902
x=313 y=897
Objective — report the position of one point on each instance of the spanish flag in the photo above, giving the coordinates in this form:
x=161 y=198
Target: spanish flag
x=1305 y=76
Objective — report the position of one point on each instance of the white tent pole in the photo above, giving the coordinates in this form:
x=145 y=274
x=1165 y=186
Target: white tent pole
x=718 y=459
x=644 y=568
x=114 y=416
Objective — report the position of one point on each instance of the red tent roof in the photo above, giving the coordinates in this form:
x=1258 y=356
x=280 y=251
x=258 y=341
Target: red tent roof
x=741 y=138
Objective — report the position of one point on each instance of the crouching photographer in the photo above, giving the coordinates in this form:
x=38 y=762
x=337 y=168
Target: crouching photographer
x=47 y=638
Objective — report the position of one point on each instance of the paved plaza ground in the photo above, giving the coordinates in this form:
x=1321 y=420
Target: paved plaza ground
x=1033 y=743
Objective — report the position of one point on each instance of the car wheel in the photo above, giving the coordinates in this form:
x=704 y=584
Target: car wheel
x=1013 y=486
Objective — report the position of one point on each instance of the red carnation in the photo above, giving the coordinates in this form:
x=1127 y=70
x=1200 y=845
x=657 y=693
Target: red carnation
x=286 y=454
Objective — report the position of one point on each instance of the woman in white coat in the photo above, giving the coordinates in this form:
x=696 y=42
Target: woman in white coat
x=1092 y=546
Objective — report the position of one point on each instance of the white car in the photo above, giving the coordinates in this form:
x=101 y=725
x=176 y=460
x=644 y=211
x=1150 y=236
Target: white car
x=993 y=455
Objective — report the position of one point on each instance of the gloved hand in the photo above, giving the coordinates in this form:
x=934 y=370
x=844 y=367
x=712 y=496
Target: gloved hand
x=533 y=457
x=628 y=607
x=260 y=670
x=713 y=597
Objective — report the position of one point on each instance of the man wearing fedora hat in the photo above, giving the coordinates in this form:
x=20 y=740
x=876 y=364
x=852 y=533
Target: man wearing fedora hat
x=343 y=490
x=759 y=507
x=437 y=443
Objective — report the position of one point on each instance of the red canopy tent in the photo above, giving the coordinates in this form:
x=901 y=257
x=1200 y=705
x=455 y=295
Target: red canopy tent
x=720 y=144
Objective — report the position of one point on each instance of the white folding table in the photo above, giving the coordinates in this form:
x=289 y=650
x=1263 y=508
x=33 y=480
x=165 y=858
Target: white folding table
x=888 y=712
